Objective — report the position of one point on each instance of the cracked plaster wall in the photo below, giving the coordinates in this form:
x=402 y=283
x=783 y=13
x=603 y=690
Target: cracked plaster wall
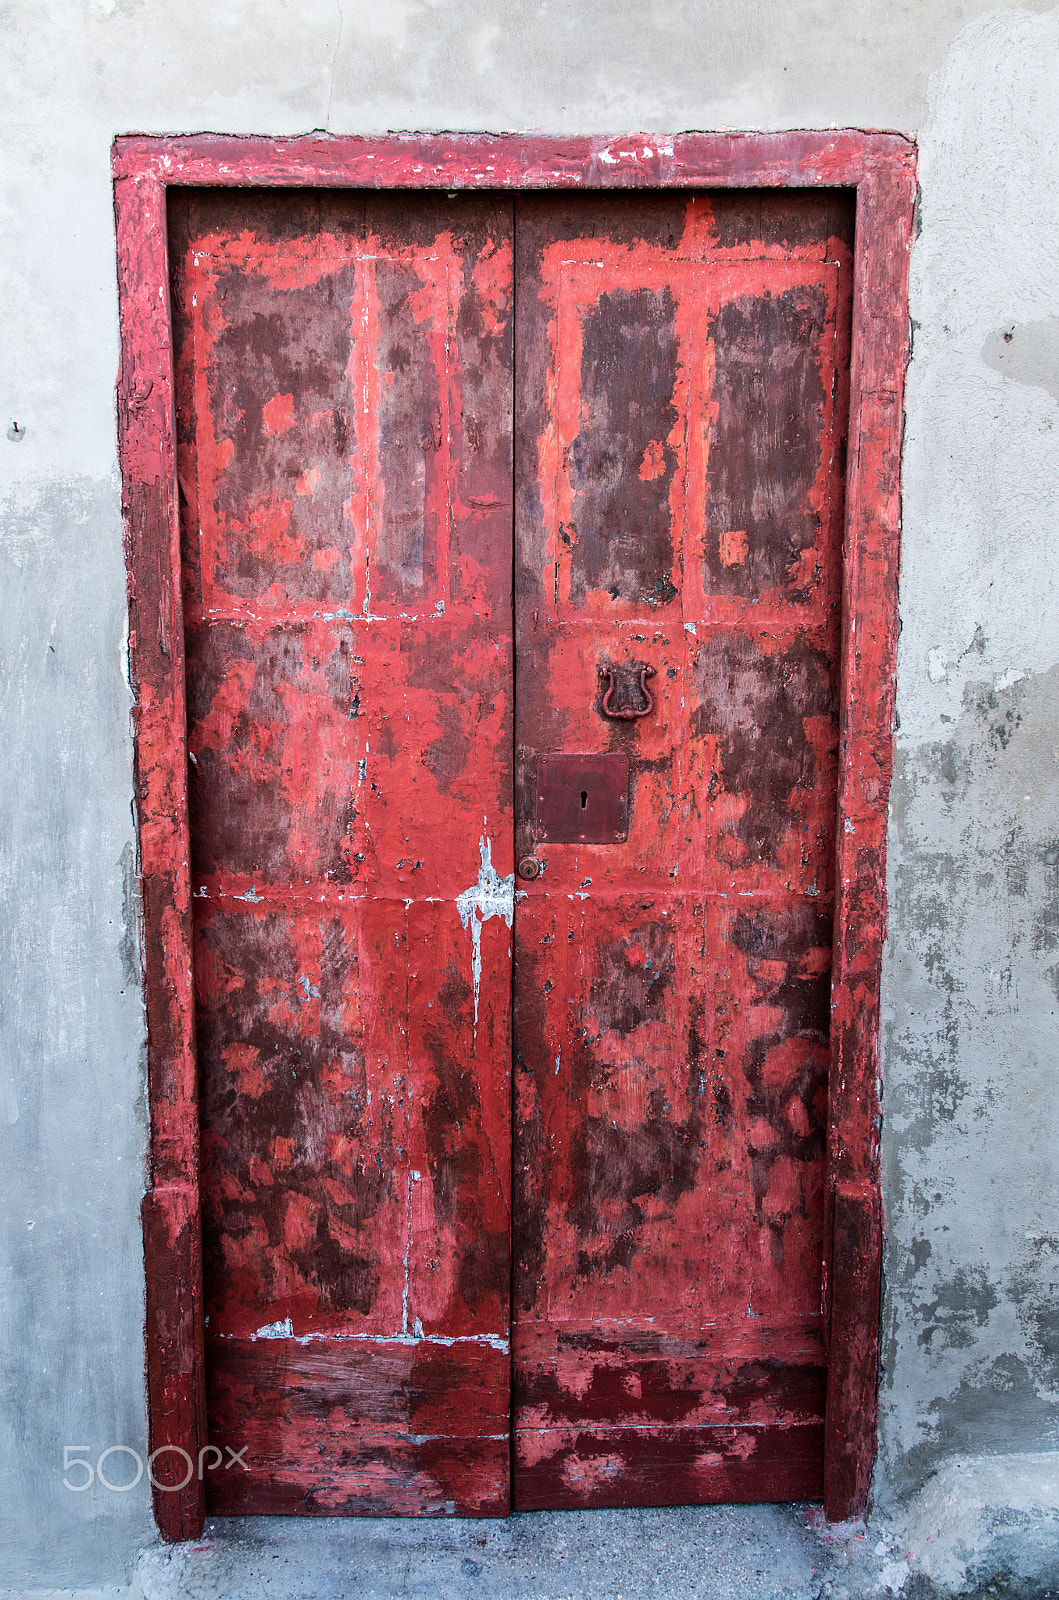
x=971 y=1344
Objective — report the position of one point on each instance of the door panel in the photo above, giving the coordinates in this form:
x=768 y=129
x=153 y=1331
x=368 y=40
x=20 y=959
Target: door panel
x=680 y=414
x=344 y=404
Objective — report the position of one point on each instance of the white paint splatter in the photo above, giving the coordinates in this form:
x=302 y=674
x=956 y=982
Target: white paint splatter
x=491 y=896
x=413 y=1179
x=495 y=1341
x=275 y=1330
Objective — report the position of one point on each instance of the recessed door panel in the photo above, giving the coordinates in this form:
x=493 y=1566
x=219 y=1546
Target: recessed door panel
x=679 y=437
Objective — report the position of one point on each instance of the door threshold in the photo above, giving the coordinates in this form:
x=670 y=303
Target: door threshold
x=757 y=1552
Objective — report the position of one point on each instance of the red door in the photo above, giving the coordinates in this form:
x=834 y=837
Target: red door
x=679 y=441
x=346 y=384
x=344 y=392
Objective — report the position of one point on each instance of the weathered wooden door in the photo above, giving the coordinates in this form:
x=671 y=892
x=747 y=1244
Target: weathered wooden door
x=680 y=399
x=344 y=394
x=361 y=685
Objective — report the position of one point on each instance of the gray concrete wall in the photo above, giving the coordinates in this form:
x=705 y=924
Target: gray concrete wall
x=972 y=974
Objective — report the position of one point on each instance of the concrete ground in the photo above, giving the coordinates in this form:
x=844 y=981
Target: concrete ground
x=982 y=1527
x=684 y=1553
x=720 y=1552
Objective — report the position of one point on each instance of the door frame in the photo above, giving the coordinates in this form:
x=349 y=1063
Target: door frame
x=881 y=168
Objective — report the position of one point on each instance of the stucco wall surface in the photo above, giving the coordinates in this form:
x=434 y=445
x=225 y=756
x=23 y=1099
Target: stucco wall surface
x=971 y=1052
x=972 y=975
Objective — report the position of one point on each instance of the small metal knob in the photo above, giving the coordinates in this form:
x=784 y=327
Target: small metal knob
x=529 y=867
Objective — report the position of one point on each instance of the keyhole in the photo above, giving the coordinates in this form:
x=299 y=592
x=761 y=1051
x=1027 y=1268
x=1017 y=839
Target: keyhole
x=584 y=798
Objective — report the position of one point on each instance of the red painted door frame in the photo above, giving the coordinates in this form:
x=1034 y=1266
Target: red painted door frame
x=881 y=168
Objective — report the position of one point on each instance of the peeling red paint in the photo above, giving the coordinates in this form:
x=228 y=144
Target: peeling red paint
x=869 y=657
x=412 y=1429
x=672 y=1027
x=798 y=158
x=311 y=894
x=175 y=1376
x=342 y=391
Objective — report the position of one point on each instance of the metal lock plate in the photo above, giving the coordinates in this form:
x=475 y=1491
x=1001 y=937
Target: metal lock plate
x=582 y=799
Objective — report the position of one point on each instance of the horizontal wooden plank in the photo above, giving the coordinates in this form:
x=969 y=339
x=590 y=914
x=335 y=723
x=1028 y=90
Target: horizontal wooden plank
x=566 y=1468
x=798 y=1337
x=422 y=1386
x=466 y=1478
x=802 y=157
x=751 y=1372
x=358 y=1427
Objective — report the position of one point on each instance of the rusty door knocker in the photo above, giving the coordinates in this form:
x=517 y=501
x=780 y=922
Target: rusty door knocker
x=627 y=713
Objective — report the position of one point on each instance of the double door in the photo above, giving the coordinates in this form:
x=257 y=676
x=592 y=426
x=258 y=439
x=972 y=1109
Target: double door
x=512 y=568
